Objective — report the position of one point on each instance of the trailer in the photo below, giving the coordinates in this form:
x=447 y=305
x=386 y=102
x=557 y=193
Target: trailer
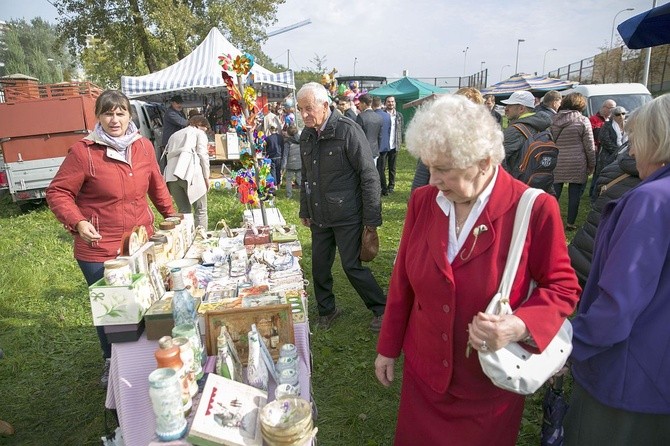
x=38 y=125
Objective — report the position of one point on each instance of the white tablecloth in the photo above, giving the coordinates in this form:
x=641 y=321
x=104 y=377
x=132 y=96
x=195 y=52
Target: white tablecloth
x=128 y=388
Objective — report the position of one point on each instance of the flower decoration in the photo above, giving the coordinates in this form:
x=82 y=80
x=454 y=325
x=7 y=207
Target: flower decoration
x=250 y=97
x=243 y=63
x=226 y=62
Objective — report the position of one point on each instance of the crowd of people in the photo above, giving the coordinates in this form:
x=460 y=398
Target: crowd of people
x=459 y=223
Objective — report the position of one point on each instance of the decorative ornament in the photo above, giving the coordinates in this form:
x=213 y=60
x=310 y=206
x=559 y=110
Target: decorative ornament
x=226 y=62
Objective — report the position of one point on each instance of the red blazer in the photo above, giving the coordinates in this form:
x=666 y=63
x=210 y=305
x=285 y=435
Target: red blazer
x=431 y=302
x=111 y=194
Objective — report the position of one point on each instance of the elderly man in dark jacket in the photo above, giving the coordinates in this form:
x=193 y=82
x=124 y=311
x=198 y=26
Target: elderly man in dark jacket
x=340 y=194
x=615 y=179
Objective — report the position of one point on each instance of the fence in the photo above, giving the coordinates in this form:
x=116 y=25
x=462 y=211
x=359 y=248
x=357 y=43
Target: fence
x=453 y=83
x=620 y=65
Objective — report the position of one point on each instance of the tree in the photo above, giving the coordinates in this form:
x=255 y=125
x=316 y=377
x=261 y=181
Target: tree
x=33 y=49
x=319 y=63
x=135 y=37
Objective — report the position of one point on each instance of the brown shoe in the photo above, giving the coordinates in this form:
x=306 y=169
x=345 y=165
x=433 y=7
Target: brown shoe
x=324 y=322
x=6 y=429
x=376 y=324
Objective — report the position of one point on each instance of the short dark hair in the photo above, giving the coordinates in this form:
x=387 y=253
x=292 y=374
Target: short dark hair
x=376 y=101
x=365 y=99
x=177 y=98
x=110 y=100
x=292 y=130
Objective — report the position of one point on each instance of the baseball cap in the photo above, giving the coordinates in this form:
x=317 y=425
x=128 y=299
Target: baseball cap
x=176 y=98
x=523 y=97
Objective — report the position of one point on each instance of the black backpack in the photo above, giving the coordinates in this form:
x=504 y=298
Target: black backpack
x=537 y=158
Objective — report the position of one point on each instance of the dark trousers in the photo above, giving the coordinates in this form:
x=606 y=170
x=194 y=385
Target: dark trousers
x=347 y=240
x=391 y=162
x=94 y=271
x=381 y=169
x=275 y=170
x=575 y=191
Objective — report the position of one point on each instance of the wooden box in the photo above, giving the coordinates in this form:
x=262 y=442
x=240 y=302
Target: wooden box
x=274 y=323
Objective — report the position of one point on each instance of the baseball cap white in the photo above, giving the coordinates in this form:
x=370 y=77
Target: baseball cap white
x=523 y=97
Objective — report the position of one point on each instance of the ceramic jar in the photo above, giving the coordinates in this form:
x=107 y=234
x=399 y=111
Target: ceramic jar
x=187 y=358
x=286 y=391
x=288 y=376
x=166 y=402
x=189 y=331
x=118 y=272
x=169 y=356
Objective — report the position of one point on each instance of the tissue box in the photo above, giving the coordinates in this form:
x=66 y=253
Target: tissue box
x=119 y=305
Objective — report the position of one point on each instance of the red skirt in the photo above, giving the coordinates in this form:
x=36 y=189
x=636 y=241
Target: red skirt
x=427 y=417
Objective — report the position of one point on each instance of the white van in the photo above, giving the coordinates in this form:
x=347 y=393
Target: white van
x=148 y=118
x=630 y=96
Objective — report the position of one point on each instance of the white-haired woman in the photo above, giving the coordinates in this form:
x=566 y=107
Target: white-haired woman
x=621 y=355
x=452 y=253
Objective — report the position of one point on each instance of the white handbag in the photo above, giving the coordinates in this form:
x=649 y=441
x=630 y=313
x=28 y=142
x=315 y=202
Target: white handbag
x=512 y=367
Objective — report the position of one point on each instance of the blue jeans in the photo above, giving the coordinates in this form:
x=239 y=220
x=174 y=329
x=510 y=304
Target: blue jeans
x=94 y=271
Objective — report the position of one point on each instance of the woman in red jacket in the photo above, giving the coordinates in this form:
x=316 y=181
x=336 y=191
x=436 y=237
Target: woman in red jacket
x=450 y=262
x=100 y=191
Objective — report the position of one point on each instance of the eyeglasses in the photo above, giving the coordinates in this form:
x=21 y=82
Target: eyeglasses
x=619 y=114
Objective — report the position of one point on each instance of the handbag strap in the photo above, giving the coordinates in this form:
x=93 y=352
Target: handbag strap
x=521 y=221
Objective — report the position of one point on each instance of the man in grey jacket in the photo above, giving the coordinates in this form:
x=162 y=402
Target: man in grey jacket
x=339 y=195
x=520 y=109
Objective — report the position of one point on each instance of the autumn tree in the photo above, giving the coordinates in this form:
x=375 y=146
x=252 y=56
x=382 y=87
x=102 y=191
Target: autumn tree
x=135 y=37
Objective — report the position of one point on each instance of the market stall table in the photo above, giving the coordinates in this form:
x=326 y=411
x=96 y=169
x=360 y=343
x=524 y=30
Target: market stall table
x=128 y=388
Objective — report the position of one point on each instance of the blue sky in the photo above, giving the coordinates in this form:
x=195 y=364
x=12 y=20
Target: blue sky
x=428 y=37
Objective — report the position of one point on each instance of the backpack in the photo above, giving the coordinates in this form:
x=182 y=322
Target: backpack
x=537 y=158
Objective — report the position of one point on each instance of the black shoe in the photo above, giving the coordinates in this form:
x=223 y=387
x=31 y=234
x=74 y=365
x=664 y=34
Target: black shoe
x=376 y=324
x=390 y=190
x=324 y=322
x=104 y=379
x=384 y=194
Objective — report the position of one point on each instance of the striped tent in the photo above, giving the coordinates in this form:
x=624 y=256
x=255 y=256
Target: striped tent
x=200 y=73
x=538 y=85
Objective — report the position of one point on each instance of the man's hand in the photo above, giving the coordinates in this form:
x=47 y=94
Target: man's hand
x=306 y=221
x=384 y=369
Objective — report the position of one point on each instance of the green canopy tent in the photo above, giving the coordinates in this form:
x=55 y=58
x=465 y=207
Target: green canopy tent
x=405 y=90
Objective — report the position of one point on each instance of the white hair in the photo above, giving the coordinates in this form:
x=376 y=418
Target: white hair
x=648 y=130
x=316 y=90
x=457 y=129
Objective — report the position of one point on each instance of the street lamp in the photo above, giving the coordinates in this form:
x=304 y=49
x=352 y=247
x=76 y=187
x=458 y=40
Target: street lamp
x=355 y=62
x=544 y=61
x=481 y=65
x=516 y=67
x=60 y=68
x=614 y=21
x=465 y=58
x=501 y=70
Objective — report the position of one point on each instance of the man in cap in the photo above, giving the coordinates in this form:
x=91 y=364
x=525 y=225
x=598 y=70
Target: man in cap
x=173 y=120
x=520 y=109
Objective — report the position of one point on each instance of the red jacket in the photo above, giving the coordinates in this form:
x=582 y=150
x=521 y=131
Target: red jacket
x=109 y=193
x=431 y=302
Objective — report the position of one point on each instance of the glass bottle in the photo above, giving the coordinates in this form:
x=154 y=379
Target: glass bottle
x=165 y=397
x=183 y=303
x=169 y=356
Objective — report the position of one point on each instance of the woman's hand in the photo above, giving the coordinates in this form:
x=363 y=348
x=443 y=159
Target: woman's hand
x=306 y=221
x=384 y=369
x=87 y=232
x=489 y=332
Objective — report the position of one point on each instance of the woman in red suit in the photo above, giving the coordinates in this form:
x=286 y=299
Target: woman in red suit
x=450 y=262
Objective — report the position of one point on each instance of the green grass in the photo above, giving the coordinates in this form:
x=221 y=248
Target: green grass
x=49 y=375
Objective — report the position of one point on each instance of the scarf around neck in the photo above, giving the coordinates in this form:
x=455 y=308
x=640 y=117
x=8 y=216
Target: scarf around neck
x=119 y=143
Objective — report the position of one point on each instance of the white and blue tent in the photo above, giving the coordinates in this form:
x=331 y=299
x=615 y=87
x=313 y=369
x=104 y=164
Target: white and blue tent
x=200 y=73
